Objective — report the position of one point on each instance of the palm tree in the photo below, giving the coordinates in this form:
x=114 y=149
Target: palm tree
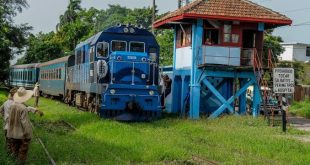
x=153 y=15
x=70 y=14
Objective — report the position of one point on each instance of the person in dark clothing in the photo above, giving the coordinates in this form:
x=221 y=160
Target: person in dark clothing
x=167 y=88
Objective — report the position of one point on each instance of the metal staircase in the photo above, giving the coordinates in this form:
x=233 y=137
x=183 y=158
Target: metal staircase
x=269 y=107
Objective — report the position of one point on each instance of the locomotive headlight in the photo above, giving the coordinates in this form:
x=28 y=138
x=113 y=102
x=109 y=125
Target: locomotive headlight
x=112 y=91
x=132 y=30
x=151 y=93
x=126 y=30
x=143 y=59
x=119 y=58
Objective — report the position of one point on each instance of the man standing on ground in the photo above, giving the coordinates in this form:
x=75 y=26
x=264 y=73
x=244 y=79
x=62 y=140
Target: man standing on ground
x=36 y=94
x=20 y=130
x=167 y=83
x=5 y=112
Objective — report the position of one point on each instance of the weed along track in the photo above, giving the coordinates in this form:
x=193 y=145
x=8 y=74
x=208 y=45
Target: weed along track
x=46 y=152
x=51 y=160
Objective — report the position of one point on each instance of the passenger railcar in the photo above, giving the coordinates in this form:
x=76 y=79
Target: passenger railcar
x=53 y=76
x=24 y=75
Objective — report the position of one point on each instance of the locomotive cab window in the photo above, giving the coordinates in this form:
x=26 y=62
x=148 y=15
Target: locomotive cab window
x=119 y=46
x=102 y=49
x=137 y=47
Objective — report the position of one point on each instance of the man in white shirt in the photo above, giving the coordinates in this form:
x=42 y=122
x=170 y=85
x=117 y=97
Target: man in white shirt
x=5 y=112
x=36 y=94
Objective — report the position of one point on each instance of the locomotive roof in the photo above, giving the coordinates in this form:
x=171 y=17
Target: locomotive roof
x=58 y=60
x=25 y=66
x=115 y=30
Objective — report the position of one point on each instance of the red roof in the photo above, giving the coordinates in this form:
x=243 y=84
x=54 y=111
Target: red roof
x=239 y=10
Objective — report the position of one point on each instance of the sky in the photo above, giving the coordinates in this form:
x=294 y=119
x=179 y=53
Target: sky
x=43 y=15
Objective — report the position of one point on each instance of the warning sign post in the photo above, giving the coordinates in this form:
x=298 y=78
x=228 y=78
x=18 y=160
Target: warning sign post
x=283 y=80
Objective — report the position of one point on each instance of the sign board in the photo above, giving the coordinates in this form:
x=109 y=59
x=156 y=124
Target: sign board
x=283 y=80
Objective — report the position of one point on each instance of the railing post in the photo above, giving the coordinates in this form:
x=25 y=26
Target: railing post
x=133 y=74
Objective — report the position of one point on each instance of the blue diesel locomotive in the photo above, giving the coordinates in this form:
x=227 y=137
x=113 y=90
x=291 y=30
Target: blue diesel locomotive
x=112 y=73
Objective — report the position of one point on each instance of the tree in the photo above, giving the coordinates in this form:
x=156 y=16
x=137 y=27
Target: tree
x=273 y=43
x=42 y=48
x=165 y=40
x=12 y=37
x=71 y=14
x=75 y=24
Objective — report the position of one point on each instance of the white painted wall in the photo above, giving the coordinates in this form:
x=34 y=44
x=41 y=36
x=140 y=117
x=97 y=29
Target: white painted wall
x=183 y=58
x=221 y=55
x=299 y=53
x=287 y=55
x=295 y=52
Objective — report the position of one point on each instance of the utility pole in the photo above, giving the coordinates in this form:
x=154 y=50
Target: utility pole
x=179 y=3
x=153 y=16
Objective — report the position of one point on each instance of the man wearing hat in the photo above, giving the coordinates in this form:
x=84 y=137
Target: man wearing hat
x=36 y=94
x=20 y=130
x=5 y=112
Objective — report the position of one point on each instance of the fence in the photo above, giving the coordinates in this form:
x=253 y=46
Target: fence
x=302 y=92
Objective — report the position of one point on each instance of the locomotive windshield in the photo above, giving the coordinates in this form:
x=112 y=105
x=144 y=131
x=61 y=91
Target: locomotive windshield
x=102 y=49
x=119 y=46
x=137 y=47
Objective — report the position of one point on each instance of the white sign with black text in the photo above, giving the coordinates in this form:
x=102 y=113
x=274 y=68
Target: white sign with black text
x=283 y=80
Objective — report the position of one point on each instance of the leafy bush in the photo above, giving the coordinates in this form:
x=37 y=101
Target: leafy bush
x=301 y=109
x=3 y=96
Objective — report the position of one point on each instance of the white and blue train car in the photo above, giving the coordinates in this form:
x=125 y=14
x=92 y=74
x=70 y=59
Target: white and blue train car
x=24 y=75
x=53 y=76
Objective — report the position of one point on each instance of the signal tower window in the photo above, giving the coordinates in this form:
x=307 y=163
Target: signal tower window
x=102 y=49
x=119 y=46
x=308 y=51
x=137 y=47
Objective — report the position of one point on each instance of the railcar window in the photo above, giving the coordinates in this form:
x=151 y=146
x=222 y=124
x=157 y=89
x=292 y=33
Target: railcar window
x=119 y=46
x=59 y=73
x=78 y=56
x=91 y=54
x=54 y=74
x=137 y=47
x=102 y=49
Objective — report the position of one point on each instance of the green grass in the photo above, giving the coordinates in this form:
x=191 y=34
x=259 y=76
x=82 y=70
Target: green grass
x=3 y=96
x=226 y=140
x=301 y=109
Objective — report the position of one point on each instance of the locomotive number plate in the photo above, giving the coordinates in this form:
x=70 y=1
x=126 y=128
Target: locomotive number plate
x=131 y=57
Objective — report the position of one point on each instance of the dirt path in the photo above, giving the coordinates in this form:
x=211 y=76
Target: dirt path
x=299 y=123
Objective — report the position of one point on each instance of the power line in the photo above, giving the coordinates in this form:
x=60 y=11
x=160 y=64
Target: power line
x=296 y=10
x=263 y=1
